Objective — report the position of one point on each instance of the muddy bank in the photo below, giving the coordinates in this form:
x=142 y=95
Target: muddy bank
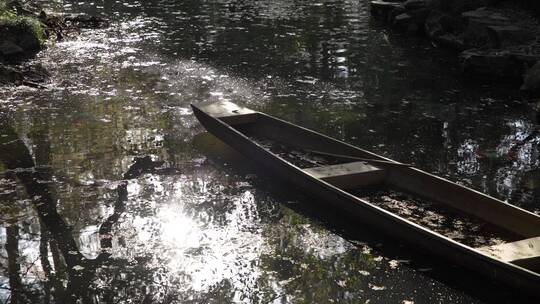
x=495 y=40
x=24 y=30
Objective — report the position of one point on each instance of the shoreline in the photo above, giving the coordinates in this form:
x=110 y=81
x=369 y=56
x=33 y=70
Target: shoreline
x=24 y=30
x=495 y=41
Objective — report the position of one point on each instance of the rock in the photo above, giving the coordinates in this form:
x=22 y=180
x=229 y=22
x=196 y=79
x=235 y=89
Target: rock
x=411 y=22
x=10 y=49
x=382 y=9
x=531 y=79
x=477 y=22
x=439 y=23
x=509 y=63
x=405 y=22
x=487 y=64
x=29 y=42
x=26 y=33
x=507 y=35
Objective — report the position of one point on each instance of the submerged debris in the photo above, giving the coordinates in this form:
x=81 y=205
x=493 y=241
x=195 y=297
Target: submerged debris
x=86 y=21
x=452 y=224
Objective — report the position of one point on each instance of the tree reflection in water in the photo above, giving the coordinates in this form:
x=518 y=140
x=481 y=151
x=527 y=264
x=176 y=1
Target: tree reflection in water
x=71 y=275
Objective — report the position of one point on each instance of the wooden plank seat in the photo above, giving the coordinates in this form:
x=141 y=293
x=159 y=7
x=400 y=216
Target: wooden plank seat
x=231 y=113
x=525 y=253
x=349 y=175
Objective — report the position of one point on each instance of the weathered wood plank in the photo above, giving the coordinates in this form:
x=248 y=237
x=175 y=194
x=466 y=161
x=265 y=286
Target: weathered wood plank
x=525 y=253
x=230 y=113
x=348 y=175
x=224 y=108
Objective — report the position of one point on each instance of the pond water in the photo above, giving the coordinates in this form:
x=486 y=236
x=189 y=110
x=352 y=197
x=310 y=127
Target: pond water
x=200 y=224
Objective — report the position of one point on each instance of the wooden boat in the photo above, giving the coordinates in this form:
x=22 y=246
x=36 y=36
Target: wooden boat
x=516 y=262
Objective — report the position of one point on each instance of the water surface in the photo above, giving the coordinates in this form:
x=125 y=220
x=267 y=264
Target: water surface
x=204 y=225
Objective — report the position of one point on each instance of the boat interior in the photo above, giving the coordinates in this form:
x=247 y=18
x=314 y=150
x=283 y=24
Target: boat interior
x=486 y=224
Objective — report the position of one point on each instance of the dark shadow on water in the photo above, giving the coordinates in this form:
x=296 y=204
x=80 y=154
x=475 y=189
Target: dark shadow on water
x=341 y=223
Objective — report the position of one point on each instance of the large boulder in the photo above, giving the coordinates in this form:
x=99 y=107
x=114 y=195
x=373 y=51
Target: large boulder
x=28 y=41
x=20 y=33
